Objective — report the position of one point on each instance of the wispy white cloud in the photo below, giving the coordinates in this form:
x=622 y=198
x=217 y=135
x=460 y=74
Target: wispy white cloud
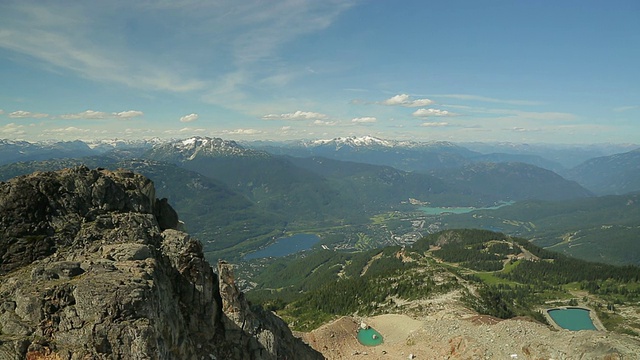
x=432 y=112
x=298 y=115
x=518 y=129
x=625 y=108
x=435 y=124
x=101 y=115
x=281 y=77
x=364 y=120
x=1 y=111
x=396 y=100
x=21 y=114
x=518 y=114
x=129 y=114
x=242 y=132
x=546 y=116
x=66 y=48
x=138 y=131
x=533 y=115
x=325 y=123
x=87 y=114
x=12 y=129
x=245 y=36
x=185 y=130
x=406 y=101
x=488 y=99
x=67 y=130
x=189 y=118
x=262 y=27
x=360 y=90
x=229 y=88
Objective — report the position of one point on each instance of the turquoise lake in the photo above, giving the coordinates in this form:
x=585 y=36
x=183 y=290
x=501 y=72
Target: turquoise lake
x=366 y=337
x=286 y=246
x=458 y=210
x=572 y=319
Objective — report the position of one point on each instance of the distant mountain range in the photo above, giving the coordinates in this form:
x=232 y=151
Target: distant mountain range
x=511 y=181
x=199 y=147
x=602 y=168
x=614 y=174
x=568 y=156
x=292 y=182
x=257 y=171
x=14 y=151
x=236 y=198
x=535 y=160
x=427 y=157
x=402 y=155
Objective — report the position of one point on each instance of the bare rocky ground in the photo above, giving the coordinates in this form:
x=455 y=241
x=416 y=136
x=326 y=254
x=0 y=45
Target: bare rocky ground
x=457 y=333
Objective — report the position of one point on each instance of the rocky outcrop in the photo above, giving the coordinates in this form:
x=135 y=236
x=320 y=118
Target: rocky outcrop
x=262 y=333
x=92 y=266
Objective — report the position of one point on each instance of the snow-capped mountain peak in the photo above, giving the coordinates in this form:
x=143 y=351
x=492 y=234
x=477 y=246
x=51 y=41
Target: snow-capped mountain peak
x=197 y=146
x=207 y=144
x=354 y=141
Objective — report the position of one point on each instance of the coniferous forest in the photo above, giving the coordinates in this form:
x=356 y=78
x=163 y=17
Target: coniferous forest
x=511 y=277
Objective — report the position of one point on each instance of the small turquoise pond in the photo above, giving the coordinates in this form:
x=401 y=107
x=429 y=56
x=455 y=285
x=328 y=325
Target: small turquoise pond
x=369 y=337
x=572 y=318
x=286 y=246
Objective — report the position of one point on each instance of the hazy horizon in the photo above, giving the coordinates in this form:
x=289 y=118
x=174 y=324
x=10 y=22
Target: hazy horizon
x=178 y=138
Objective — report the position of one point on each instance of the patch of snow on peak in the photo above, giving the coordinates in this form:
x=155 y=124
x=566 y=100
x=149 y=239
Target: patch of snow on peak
x=354 y=141
x=189 y=142
x=369 y=140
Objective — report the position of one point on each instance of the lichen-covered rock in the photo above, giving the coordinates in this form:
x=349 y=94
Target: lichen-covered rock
x=92 y=267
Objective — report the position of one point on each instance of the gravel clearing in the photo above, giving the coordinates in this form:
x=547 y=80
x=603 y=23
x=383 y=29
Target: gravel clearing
x=447 y=336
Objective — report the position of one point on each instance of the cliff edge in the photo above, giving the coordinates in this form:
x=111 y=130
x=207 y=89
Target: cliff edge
x=93 y=266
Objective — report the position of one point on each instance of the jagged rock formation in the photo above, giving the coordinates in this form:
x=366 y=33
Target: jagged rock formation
x=92 y=266
x=253 y=329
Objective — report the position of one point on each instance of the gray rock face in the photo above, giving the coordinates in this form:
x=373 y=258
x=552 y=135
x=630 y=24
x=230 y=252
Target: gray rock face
x=262 y=333
x=92 y=267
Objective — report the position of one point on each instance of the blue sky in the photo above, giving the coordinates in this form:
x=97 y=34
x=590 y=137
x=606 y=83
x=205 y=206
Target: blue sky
x=517 y=71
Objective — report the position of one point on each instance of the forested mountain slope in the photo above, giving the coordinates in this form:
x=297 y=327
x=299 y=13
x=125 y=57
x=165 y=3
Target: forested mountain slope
x=487 y=272
x=610 y=175
x=603 y=229
x=511 y=181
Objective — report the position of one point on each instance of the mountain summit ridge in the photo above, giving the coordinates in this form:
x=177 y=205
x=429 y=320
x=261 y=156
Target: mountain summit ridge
x=94 y=266
x=200 y=147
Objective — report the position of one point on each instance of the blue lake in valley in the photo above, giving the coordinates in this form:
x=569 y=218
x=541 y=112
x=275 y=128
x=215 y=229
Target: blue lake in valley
x=286 y=246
